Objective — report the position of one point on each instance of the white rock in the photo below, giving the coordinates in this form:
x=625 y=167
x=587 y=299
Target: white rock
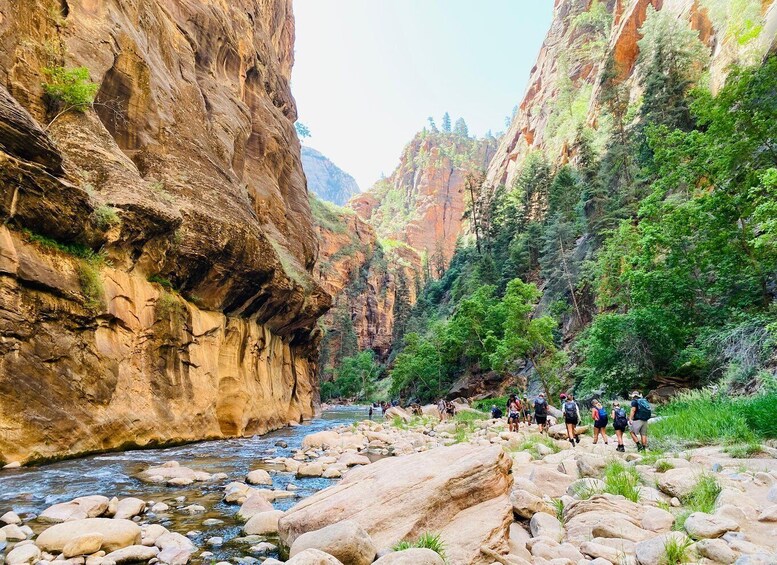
x=13 y=532
x=310 y=470
x=769 y=514
x=23 y=555
x=132 y=554
x=716 y=550
x=10 y=518
x=545 y=525
x=116 y=533
x=415 y=556
x=700 y=525
x=193 y=509
x=678 y=482
x=312 y=557
x=129 y=507
x=259 y=477
x=345 y=540
x=160 y=507
x=85 y=544
x=253 y=505
x=263 y=523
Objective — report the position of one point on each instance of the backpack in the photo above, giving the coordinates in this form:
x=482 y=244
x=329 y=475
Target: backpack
x=540 y=407
x=602 y=412
x=643 y=410
x=570 y=409
x=621 y=420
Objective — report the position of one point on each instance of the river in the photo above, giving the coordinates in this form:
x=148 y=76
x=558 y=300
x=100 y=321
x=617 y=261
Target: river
x=30 y=490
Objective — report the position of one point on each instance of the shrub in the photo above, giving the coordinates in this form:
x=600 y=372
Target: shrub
x=106 y=217
x=427 y=540
x=558 y=506
x=71 y=87
x=162 y=281
x=663 y=466
x=95 y=258
x=744 y=451
x=91 y=285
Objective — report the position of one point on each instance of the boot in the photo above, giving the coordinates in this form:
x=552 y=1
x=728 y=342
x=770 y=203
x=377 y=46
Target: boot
x=572 y=442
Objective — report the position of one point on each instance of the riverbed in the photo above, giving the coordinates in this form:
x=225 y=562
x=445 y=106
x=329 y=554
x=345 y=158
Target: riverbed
x=28 y=491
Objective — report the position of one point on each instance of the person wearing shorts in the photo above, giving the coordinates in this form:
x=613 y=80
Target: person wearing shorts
x=599 y=415
x=638 y=419
x=541 y=412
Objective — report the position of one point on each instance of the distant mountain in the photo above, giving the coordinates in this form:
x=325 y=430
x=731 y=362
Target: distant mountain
x=325 y=179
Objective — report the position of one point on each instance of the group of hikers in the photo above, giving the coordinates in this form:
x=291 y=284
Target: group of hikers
x=520 y=409
x=445 y=409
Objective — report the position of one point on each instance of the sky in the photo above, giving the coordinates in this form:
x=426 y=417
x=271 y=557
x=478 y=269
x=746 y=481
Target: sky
x=368 y=73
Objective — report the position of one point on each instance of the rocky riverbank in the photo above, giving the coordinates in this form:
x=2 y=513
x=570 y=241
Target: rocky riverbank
x=483 y=495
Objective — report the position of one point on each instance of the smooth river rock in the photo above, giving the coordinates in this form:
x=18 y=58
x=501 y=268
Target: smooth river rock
x=346 y=540
x=460 y=492
x=116 y=533
x=414 y=556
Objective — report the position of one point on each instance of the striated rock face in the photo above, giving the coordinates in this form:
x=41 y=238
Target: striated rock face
x=573 y=56
x=187 y=172
x=372 y=284
x=326 y=180
x=423 y=201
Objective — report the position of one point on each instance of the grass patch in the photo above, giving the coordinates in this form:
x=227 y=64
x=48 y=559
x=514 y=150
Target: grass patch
x=327 y=215
x=662 y=466
x=162 y=281
x=96 y=258
x=621 y=479
x=427 y=540
x=531 y=443
x=467 y=417
x=676 y=551
x=693 y=418
x=586 y=490
x=703 y=495
x=558 y=506
x=744 y=451
x=652 y=456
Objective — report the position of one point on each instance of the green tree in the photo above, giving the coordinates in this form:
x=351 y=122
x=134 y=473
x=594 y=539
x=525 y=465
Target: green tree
x=446 y=122
x=69 y=89
x=356 y=377
x=303 y=132
x=460 y=128
x=528 y=337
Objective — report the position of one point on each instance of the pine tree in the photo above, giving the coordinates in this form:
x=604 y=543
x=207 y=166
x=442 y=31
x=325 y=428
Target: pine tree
x=446 y=122
x=461 y=128
x=432 y=125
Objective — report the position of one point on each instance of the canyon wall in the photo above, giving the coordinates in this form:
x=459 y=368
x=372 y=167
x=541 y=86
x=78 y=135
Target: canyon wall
x=573 y=58
x=423 y=201
x=325 y=179
x=373 y=283
x=157 y=251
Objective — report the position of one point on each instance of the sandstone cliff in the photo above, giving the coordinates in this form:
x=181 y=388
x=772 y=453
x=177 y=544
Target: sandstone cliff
x=423 y=201
x=374 y=283
x=156 y=258
x=572 y=58
x=325 y=179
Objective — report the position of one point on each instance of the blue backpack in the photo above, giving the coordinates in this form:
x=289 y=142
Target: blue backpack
x=602 y=412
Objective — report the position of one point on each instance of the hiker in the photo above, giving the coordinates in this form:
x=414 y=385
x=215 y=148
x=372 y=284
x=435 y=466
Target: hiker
x=496 y=413
x=599 y=414
x=442 y=409
x=450 y=409
x=638 y=419
x=571 y=417
x=620 y=420
x=526 y=411
x=370 y=411
x=513 y=413
x=541 y=412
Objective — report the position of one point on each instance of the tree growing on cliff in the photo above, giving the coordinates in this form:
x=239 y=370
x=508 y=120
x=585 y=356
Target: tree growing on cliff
x=432 y=125
x=69 y=90
x=446 y=122
x=461 y=128
x=303 y=132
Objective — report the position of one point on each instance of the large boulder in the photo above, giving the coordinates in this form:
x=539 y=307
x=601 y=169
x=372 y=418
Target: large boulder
x=415 y=556
x=77 y=509
x=85 y=544
x=263 y=523
x=172 y=471
x=545 y=525
x=116 y=533
x=526 y=505
x=313 y=557
x=460 y=492
x=132 y=554
x=678 y=482
x=259 y=477
x=706 y=526
x=255 y=504
x=549 y=481
x=346 y=540
x=23 y=555
x=397 y=412
x=129 y=508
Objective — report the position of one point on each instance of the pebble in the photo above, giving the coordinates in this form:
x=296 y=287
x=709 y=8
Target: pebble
x=159 y=507
x=193 y=509
x=193 y=533
x=215 y=541
x=212 y=522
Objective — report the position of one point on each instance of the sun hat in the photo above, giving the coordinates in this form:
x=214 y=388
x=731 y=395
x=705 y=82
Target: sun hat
x=635 y=394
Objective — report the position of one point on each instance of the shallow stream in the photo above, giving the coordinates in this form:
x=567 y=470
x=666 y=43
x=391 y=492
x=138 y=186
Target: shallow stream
x=29 y=491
